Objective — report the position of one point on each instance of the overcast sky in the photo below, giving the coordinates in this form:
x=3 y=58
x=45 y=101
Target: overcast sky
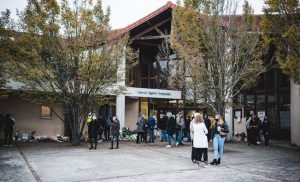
x=123 y=12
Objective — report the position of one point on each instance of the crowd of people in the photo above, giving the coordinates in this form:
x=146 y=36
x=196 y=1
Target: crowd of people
x=255 y=127
x=199 y=130
x=105 y=129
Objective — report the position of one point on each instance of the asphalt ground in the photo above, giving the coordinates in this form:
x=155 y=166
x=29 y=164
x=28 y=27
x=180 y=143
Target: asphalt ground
x=146 y=162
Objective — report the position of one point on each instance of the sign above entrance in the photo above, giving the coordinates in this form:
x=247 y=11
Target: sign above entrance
x=153 y=93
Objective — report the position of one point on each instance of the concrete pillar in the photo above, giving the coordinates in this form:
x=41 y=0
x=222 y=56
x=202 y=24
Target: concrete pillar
x=229 y=122
x=120 y=110
x=295 y=114
x=120 y=101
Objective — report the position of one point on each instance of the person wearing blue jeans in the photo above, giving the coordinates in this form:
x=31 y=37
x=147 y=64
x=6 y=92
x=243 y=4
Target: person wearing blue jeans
x=163 y=135
x=219 y=132
x=218 y=144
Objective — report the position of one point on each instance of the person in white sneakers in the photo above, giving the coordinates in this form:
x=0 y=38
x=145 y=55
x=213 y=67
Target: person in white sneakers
x=200 y=143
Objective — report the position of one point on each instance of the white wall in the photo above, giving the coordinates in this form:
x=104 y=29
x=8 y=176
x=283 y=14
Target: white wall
x=295 y=114
x=27 y=116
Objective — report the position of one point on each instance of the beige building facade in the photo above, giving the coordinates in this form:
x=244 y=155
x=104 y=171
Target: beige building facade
x=32 y=117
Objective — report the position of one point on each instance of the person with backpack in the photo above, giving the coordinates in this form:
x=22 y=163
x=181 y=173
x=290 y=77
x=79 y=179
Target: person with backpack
x=151 y=125
x=171 y=129
x=9 y=123
x=219 y=131
x=115 y=132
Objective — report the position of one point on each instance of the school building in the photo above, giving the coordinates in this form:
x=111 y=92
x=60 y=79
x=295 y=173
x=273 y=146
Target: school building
x=148 y=91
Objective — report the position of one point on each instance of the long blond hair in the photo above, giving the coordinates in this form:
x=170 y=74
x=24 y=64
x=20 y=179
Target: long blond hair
x=220 y=120
x=198 y=118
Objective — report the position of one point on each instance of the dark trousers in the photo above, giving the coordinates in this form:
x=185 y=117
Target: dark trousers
x=267 y=138
x=151 y=135
x=209 y=135
x=197 y=154
x=8 y=137
x=139 y=137
x=93 y=139
x=253 y=135
x=107 y=133
x=114 y=138
x=248 y=136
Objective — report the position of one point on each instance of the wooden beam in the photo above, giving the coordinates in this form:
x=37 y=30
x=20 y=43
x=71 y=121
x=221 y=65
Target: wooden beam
x=146 y=43
x=151 y=28
x=156 y=28
x=153 y=37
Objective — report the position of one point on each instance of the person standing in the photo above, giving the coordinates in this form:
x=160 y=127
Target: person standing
x=161 y=124
x=1 y=125
x=140 y=127
x=108 y=124
x=102 y=123
x=187 y=128
x=151 y=125
x=253 y=130
x=93 y=129
x=248 y=119
x=200 y=142
x=181 y=125
x=9 y=123
x=266 y=130
x=207 y=124
x=219 y=132
x=171 y=129
x=115 y=132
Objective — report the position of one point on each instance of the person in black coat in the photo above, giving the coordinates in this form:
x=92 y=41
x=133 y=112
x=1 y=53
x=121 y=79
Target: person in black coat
x=207 y=124
x=254 y=129
x=265 y=126
x=115 y=132
x=187 y=128
x=161 y=124
x=9 y=122
x=171 y=130
x=93 y=129
x=102 y=122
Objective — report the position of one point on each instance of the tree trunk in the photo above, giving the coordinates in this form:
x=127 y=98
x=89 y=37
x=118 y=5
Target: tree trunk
x=75 y=125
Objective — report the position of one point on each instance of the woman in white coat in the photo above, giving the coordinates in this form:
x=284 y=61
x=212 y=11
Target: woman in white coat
x=200 y=143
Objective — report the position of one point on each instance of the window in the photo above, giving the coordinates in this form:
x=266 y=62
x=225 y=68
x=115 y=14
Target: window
x=46 y=112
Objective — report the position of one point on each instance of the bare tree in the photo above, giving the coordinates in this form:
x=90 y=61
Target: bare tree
x=221 y=51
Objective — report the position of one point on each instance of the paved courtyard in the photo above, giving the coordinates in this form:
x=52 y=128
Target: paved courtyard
x=152 y=162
